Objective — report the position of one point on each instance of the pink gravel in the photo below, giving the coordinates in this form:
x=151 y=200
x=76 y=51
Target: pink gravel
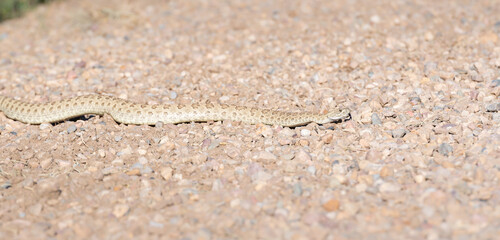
x=420 y=158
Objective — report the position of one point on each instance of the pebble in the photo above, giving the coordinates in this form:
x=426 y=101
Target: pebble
x=137 y=165
x=327 y=138
x=118 y=138
x=101 y=153
x=386 y=171
x=6 y=185
x=266 y=156
x=120 y=210
x=146 y=170
x=388 y=187
x=429 y=67
x=303 y=156
x=71 y=129
x=155 y=224
x=166 y=173
x=331 y=205
x=398 y=133
x=266 y=131
x=375 y=19
x=493 y=107
x=44 y=126
x=159 y=124
x=118 y=162
x=495 y=83
x=142 y=151
x=297 y=189
x=134 y=172
x=232 y=152
x=305 y=132
x=419 y=178
x=303 y=142
x=35 y=209
x=311 y=169
x=286 y=133
x=172 y=95
x=217 y=185
x=445 y=149
x=376 y=119
x=360 y=187
x=261 y=177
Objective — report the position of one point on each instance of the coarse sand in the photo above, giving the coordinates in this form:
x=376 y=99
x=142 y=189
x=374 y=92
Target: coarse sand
x=419 y=159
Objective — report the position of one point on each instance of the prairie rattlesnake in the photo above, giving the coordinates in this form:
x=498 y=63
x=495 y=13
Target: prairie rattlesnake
x=127 y=112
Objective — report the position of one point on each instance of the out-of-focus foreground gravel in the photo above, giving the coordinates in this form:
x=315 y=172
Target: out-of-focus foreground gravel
x=420 y=158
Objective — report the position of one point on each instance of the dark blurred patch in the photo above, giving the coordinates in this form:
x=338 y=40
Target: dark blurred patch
x=15 y=8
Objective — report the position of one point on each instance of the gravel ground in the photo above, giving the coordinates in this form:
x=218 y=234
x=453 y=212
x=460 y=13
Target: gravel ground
x=420 y=158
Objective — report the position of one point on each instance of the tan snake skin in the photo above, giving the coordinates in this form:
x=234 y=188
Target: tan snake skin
x=127 y=112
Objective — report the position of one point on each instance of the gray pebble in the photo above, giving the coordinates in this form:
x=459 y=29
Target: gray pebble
x=2 y=127
x=137 y=165
x=311 y=169
x=107 y=171
x=297 y=189
x=437 y=108
x=146 y=170
x=173 y=95
x=6 y=185
x=436 y=78
x=155 y=224
x=496 y=117
x=44 y=126
x=372 y=190
x=71 y=129
x=415 y=100
x=428 y=67
x=474 y=76
x=376 y=119
x=159 y=124
x=118 y=138
x=398 y=133
x=271 y=71
x=493 y=107
x=13 y=133
x=495 y=83
x=445 y=149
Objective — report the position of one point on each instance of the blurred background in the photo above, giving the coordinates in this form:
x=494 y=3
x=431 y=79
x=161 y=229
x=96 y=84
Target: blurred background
x=15 y=8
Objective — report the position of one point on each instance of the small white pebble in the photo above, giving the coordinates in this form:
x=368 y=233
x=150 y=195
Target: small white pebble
x=166 y=173
x=375 y=19
x=311 y=169
x=142 y=151
x=305 y=132
x=101 y=152
x=71 y=128
x=143 y=160
x=419 y=178
x=173 y=95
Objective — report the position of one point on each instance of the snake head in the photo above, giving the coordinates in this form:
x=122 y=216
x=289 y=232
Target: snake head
x=339 y=115
x=334 y=116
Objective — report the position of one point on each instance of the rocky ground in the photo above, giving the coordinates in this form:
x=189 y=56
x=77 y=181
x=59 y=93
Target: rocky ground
x=419 y=159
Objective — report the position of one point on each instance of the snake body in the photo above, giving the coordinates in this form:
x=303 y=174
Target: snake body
x=127 y=112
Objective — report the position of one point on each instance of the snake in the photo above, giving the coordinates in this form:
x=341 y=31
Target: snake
x=127 y=112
